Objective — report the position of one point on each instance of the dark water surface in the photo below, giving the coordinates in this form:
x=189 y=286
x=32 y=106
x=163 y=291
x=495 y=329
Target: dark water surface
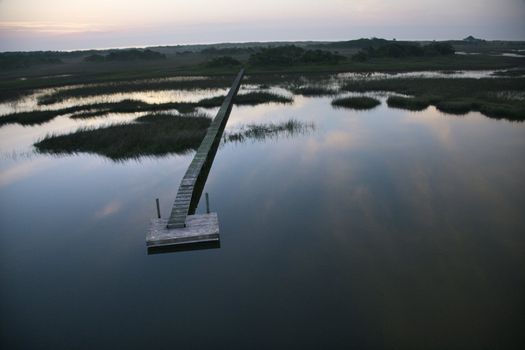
x=378 y=229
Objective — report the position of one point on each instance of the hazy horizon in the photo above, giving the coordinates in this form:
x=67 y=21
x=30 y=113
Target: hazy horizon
x=27 y=25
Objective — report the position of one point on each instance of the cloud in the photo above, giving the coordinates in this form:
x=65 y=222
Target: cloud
x=49 y=27
x=109 y=209
x=22 y=170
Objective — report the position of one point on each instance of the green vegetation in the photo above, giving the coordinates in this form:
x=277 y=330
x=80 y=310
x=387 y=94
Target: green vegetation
x=261 y=132
x=154 y=134
x=90 y=110
x=456 y=96
x=250 y=99
x=10 y=60
x=131 y=106
x=223 y=61
x=23 y=73
x=255 y=98
x=227 y=50
x=291 y=54
x=120 y=71
x=133 y=86
x=126 y=55
x=356 y=44
x=359 y=103
x=404 y=49
x=33 y=117
x=510 y=73
x=410 y=103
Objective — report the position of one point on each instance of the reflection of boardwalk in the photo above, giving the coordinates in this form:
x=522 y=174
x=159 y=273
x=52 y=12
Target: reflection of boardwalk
x=183 y=226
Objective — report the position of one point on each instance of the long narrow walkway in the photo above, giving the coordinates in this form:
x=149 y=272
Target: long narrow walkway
x=186 y=196
x=183 y=226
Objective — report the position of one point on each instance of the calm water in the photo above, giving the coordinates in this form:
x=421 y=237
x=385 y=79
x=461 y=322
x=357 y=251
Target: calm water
x=378 y=229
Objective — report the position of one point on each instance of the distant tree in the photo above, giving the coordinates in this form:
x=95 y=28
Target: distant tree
x=10 y=60
x=404 y=49
x=227 y=50
x=439 y=49
x=126 y=55
x=224 y=61
x=95 y=58
x=291 y=54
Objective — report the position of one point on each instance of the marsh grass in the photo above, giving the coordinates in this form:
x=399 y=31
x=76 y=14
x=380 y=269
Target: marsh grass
x=358 y=103
x=409 y=103
x=131 y=106
x=92 y=110
x=133 y=86
x=250 y=99
x=261 y=132
x=510 y=73
x=455 y=96
x=150 y=135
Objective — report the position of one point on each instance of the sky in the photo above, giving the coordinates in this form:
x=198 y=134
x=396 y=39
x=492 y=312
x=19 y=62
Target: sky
x=27 y=25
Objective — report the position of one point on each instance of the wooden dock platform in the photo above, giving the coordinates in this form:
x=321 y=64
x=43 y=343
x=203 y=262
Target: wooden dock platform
x=183 y=226
x=199 y=228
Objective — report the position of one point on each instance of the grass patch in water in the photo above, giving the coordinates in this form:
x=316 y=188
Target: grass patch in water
x=359 y=103
x=92 y=110
x=150 y=135
x=250 y=99
x=410 y=103
x=456 y=96
x=510 y=73
x=261 y=132
x=133 y=86
x=131 y=106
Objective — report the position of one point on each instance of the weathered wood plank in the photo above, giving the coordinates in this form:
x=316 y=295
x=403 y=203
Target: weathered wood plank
x=199 y=167
x=183 y=227
x=199 y=228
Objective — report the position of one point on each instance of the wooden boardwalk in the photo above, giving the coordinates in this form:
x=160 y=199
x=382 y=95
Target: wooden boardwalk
x=183 y=226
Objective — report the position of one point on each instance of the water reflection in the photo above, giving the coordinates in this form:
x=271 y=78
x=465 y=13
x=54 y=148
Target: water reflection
x=381 y=227
x=474 y=74
x=184 y=247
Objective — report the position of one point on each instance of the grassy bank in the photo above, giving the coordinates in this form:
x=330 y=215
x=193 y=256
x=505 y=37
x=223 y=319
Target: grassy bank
x=154 y=134
x=456 y=96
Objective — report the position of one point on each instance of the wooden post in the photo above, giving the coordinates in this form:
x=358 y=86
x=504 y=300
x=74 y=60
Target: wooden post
x=158 y=208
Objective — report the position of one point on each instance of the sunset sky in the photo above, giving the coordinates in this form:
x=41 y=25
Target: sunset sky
x=82 y=24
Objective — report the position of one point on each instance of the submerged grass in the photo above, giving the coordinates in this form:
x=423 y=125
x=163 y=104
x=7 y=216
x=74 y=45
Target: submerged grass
x=359 y=102
x=457 y=96
x=260 y=132
x=153 y=134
